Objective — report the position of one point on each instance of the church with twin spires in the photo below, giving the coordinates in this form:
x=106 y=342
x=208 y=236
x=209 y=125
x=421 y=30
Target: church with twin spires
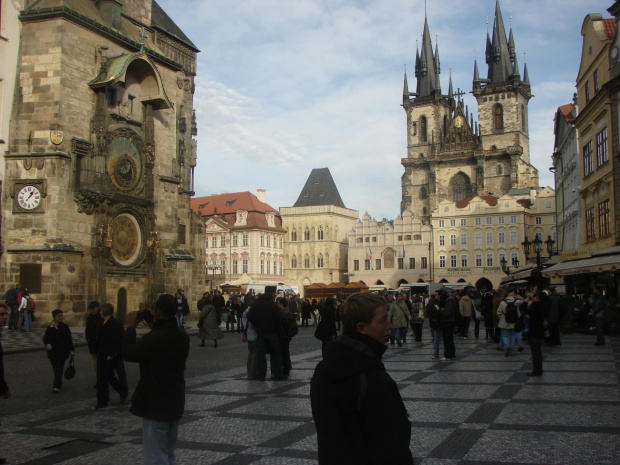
x=451 y=157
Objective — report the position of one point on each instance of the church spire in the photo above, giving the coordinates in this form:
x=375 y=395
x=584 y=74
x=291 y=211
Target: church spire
x=405 y=88
x=476 y=74
x=426 y=71
x=499 y=61
x=526 y=77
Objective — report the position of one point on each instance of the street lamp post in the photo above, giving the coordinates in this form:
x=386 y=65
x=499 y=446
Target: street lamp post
x=350 y=275
x=506 y=269
x=213 y=267
x=538 y=259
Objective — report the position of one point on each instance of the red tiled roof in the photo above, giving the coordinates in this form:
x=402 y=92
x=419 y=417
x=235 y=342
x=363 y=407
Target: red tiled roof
x=489 y=199
x=225 y=206
x=567 y=111
x=527 y=203
x=609 y=26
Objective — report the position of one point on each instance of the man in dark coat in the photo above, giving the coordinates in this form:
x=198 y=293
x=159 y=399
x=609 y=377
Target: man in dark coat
x=93 y=324
x=537 y=313
x=357 y=409
x=109 y=358
x=160 y=396
x=5 y=392
x=266 y=318
x=59 y=345
x=448 y=320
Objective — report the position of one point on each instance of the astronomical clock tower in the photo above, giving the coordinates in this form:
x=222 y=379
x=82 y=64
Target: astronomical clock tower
x=99 y=172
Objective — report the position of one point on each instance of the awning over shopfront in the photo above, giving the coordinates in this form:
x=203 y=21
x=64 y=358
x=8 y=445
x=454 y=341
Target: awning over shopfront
x=520 y=274
x=587 y=265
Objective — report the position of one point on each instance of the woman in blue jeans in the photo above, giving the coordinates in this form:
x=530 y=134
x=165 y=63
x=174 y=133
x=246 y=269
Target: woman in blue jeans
x=432 y=314
x=25 y=314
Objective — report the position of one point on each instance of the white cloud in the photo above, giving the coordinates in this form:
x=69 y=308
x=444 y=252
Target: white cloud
x=286 y=86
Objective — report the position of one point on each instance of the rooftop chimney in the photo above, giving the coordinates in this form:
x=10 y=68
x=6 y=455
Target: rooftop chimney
x=260 y=195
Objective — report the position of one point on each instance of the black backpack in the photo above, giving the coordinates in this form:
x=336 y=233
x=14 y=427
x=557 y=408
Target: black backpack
x=291 y=324
x=512 y=313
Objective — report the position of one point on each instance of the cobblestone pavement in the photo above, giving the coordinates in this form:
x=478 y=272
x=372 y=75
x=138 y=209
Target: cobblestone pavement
x=480 y=409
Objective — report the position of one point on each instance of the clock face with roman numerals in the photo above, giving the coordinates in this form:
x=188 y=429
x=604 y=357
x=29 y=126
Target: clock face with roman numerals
x=124 y=163
x=28 y=197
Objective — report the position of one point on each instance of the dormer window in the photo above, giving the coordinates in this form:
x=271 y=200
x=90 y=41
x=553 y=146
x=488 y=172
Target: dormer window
x=242 y=218
x=270 y=218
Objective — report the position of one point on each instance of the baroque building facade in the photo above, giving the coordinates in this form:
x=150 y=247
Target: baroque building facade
x=244 y=238
x=386 y=254
x=566 y=169
x=317 y=225
x=472 y=237
x=451 y=157
x=99 y=167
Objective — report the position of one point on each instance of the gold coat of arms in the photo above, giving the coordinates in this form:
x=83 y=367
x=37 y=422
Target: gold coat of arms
x=56 y=137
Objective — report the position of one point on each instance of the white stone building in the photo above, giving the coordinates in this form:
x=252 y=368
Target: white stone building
x=389 y=253
x=244 y=238
x=316 y=233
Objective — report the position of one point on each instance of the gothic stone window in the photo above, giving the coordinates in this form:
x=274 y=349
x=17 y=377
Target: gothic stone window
x=498 y=117
x=307 y=261
x=423 y=129
x=294 y=262
x=294 y=235
x=460 y=187
x=306 y=234
x=319 y=234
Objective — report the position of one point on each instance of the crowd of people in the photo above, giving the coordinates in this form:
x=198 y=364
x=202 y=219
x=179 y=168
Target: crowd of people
x=347 y=385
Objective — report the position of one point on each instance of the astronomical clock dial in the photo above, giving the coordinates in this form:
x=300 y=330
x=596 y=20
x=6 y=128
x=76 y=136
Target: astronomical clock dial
x=126 y=239
x=28 y=197
x=124 y=163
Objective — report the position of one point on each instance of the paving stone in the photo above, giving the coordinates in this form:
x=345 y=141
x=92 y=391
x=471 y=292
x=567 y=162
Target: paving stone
x=481 y=409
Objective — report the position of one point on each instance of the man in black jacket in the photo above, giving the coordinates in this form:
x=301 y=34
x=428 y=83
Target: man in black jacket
x=358 y=412
x=267 y=321
x=160 y=396
x=109 y=358
x=59 y=345
x=5 y=392
x=93 y=324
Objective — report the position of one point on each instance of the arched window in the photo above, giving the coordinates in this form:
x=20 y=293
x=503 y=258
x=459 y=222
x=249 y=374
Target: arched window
x=459 y=187
x=498 y=117
x=423 y=135
x=294 y=235
x=446 y=123
x=307 y=261
x=294 y=262
x=523 y=125
x=319 y=261
x=319 y=233
x=306 y=234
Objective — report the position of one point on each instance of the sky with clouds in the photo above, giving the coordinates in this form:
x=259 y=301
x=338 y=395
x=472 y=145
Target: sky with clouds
x=285 y=86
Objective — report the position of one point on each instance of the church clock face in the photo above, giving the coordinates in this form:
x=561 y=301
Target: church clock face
x=126 y=239
x=124 y=163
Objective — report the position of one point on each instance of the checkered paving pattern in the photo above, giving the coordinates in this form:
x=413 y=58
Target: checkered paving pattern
x=480 y=409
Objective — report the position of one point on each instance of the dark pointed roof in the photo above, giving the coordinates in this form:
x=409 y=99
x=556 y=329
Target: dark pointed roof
x=320 y=189
x=159 y=19
x=426 y=68
x=500 y=66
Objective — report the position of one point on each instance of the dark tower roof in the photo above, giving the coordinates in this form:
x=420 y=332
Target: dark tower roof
x=159 y=19
x=320 y=189
x=499 y=56
x=426 y=67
